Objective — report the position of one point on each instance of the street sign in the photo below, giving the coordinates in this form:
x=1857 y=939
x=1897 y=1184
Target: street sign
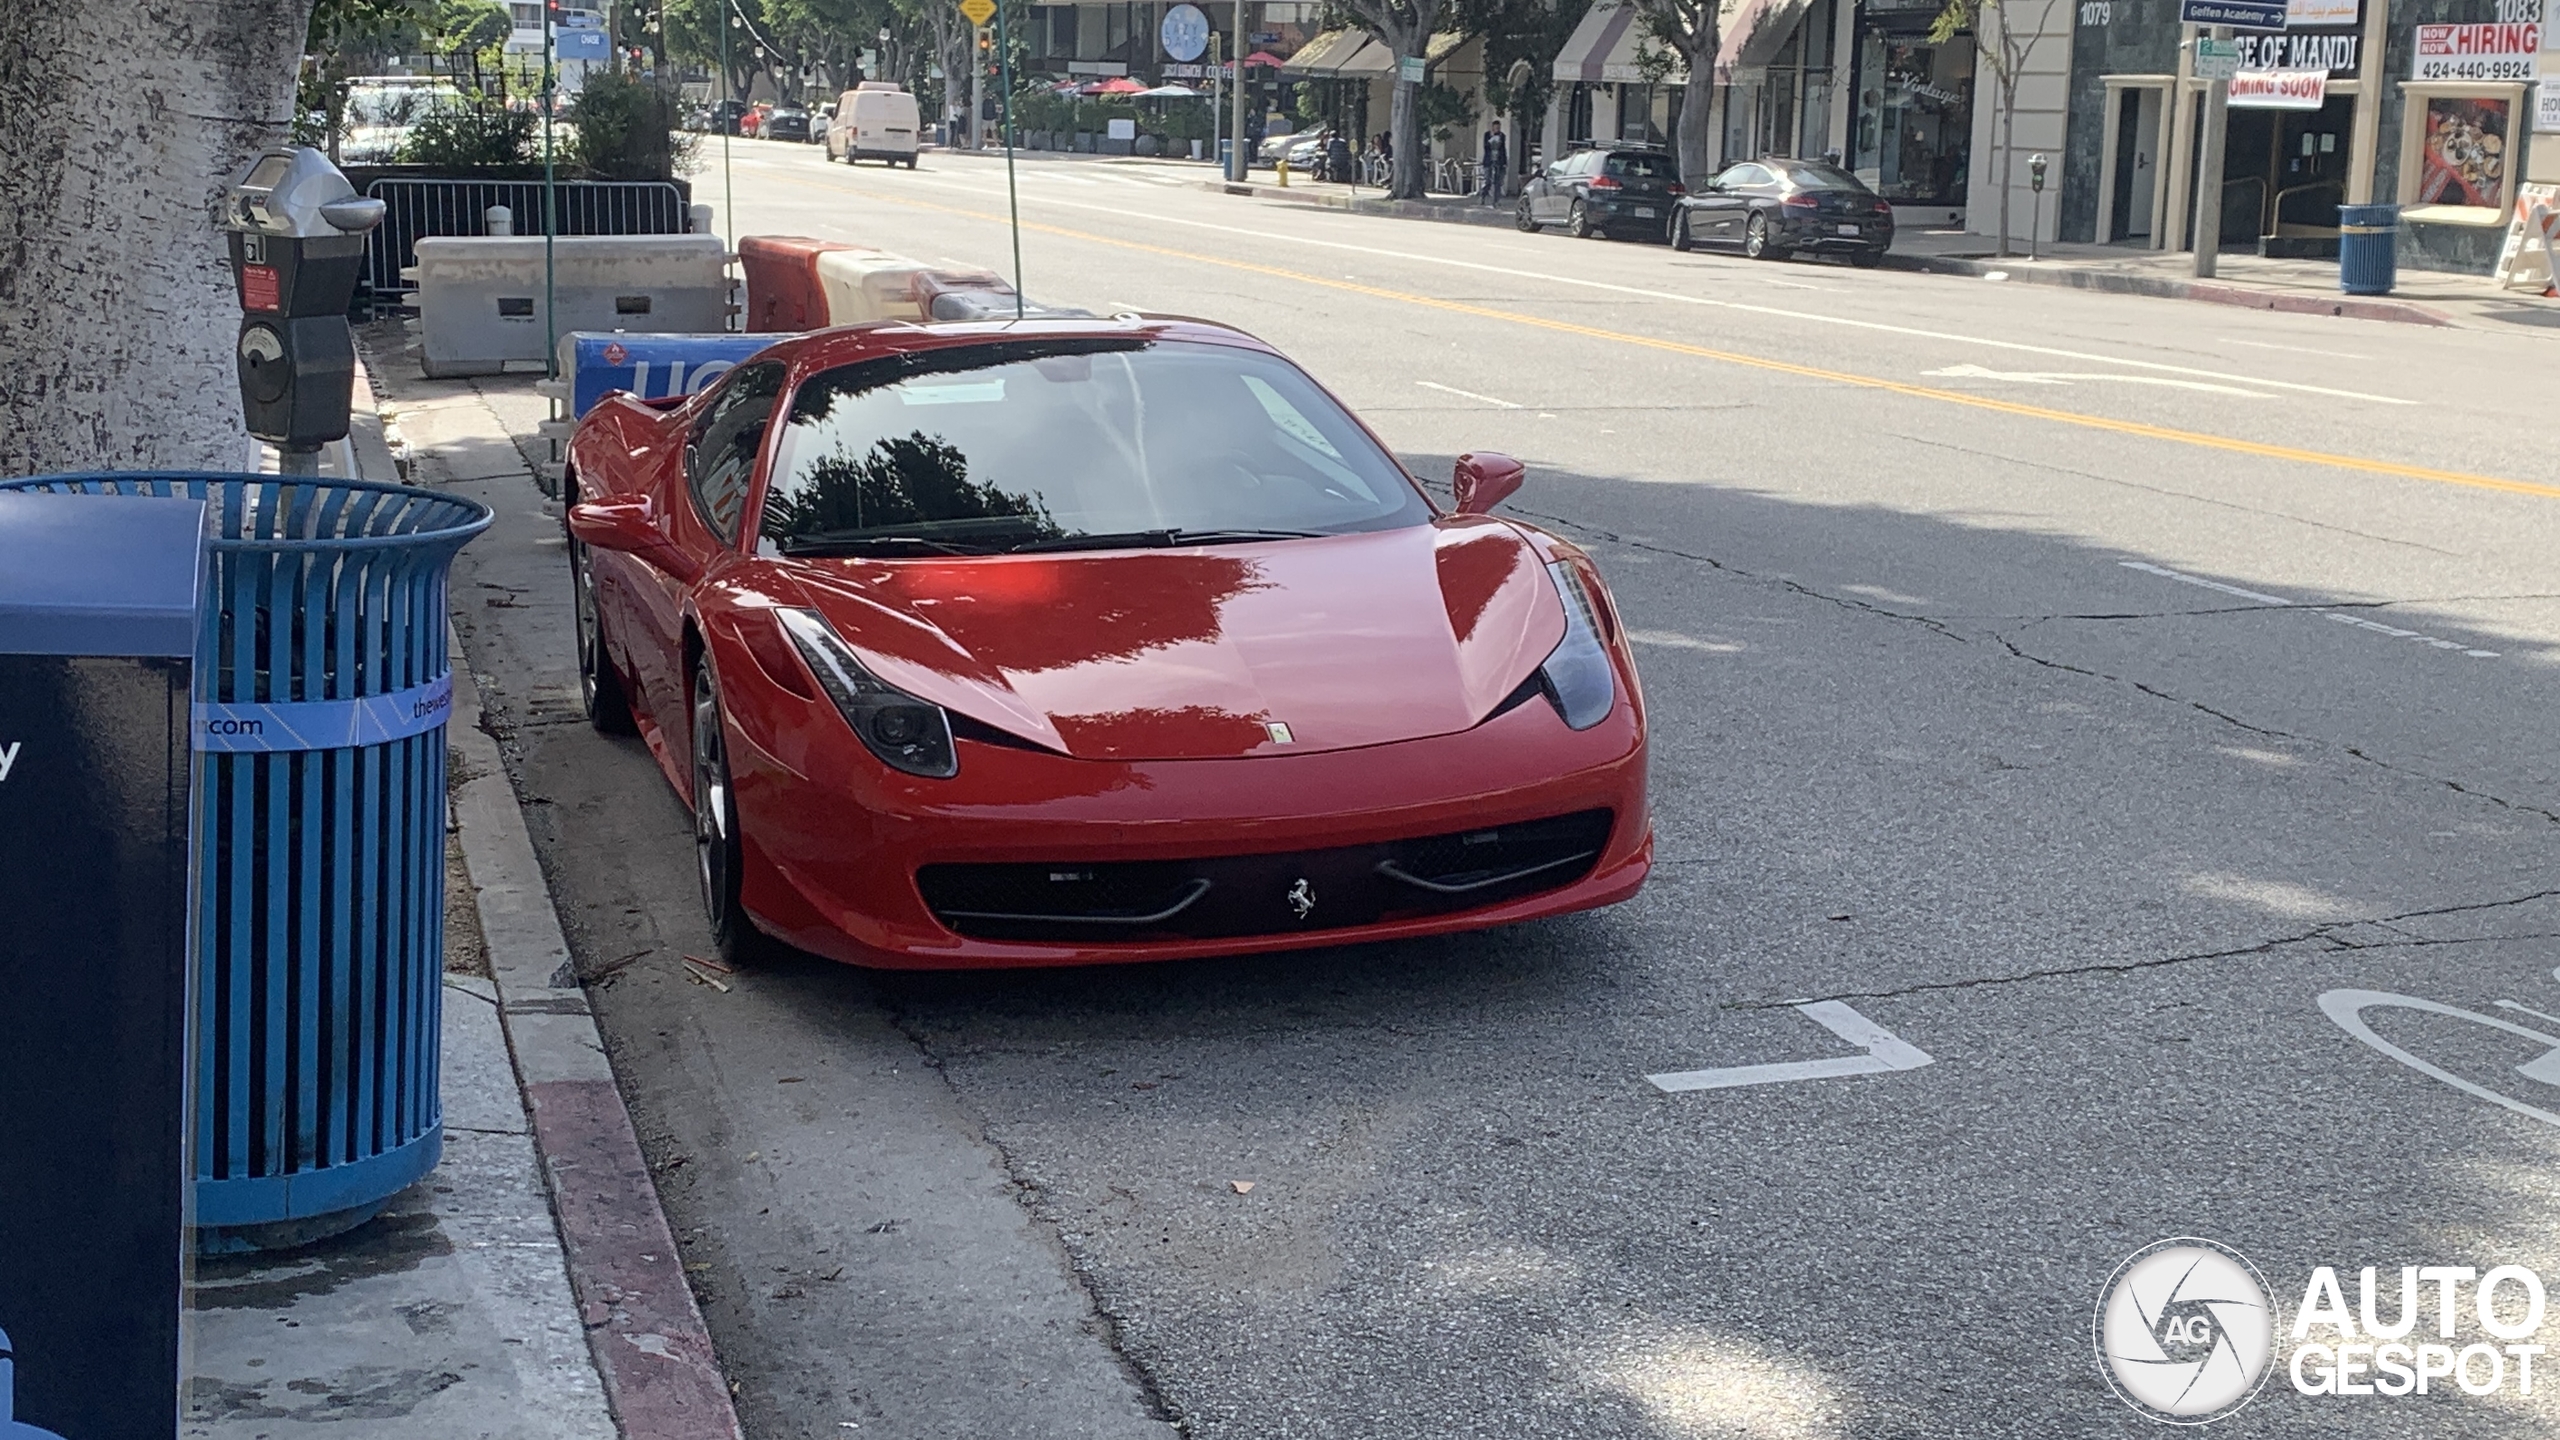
x=1410 y=69
x=2239 y=14
x=2216 y=59
x=978 y=11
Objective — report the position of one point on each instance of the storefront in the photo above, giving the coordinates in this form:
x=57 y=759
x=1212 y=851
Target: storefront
x=2445 y=82
x=1911 y=119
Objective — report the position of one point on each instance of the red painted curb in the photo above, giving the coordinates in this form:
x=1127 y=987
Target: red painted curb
x=647 y=1335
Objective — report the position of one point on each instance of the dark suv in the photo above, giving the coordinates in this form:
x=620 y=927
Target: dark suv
x=1616 y=191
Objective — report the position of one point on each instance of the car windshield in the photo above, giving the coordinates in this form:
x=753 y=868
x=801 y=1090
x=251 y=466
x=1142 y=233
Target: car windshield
x=1643 y=167
x=1072 y=444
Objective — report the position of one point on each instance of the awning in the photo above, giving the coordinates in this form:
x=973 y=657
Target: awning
x=1755 y=32
x=1605 y=47
x=1325 y=54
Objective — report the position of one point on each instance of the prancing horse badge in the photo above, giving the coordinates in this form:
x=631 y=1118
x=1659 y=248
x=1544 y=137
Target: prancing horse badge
x=1302 y=898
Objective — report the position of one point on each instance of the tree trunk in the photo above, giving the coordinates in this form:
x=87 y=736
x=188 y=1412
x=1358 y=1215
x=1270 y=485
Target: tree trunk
x=121 y=123
x=1404 y=123
x=1697 y=106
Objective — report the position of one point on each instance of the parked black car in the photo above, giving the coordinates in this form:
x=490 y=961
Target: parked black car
x=786 y=122
x=1612 y=192
x=1770 y=209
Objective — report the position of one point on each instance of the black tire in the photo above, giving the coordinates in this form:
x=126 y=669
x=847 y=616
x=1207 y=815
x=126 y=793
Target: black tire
x=1756 y=242
x=1680 y=231
x=600 y=690
x=1521 y=218
x=1577 y=222
x=911 y=162
x=718 y=853
x=1866 y=259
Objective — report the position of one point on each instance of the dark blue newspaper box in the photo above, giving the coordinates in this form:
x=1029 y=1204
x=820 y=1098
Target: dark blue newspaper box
x=98 y=607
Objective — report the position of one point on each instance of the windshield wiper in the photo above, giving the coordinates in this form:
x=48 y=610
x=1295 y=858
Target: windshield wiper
x=827 y=544
x=1157 y=539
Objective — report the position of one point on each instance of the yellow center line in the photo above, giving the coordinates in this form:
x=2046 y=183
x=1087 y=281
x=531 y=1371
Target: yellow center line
x=1760 y=362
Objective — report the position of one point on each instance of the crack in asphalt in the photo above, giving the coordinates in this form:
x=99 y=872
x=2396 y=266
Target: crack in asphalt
x=1032 y=1195
x=2326 y=933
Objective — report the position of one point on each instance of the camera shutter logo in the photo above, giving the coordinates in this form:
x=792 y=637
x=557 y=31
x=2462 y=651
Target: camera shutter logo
x=2185 y=1331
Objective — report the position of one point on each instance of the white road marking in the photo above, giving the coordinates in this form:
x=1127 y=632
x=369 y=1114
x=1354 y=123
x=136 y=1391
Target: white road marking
x=2347 y=1007
x=1674 y=640
x=2342 y=617
x=1885 y=1053
x=1467 y=394
x=2183 y=578
x=2059 y=377
x=2298 y=350
x=1545 y=277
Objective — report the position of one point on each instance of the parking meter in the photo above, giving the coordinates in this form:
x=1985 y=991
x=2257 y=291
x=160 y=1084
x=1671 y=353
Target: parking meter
x=297 y=246
x=2035 y=223
x=2035 y=172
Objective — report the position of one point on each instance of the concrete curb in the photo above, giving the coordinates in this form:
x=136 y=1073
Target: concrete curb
x=2115 y=282
x=1460 y=214
x=651 y=1349
x=650 y=1344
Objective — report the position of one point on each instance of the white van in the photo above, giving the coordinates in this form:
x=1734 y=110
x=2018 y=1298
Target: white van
x=874 y=121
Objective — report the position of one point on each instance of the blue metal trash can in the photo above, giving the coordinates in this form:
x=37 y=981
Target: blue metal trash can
x=2368 y=248
x=321 y=690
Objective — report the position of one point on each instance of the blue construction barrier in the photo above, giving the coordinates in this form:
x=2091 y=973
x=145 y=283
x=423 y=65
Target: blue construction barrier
x=322 y=685
x=653 y=367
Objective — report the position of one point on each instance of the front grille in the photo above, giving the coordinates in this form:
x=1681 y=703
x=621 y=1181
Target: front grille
x=1312 y=890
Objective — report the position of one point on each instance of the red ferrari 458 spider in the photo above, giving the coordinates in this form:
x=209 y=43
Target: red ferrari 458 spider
x=1063 y=642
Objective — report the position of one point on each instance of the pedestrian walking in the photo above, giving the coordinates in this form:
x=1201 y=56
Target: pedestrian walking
x=1491 y=166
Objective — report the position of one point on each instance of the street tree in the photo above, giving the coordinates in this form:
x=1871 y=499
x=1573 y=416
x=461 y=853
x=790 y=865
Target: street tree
x=693 y=36
x=1405 y=27
x=117 y=314
x=1691 y=31
x=1522 y=39
x=2005 y=33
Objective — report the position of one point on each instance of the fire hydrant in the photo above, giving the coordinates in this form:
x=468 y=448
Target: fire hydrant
x=1280 y=168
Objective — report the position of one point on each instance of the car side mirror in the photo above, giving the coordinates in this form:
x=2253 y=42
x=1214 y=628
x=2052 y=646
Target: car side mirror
x=1485 y=479
x=629 y=527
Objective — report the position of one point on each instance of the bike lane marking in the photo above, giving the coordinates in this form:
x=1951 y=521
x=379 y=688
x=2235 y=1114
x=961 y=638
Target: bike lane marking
x=2347 y=1008
x=1886 y=1052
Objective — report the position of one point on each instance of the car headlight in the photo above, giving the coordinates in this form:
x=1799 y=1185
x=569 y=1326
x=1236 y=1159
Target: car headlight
x=1577 y=676
x=906 y=733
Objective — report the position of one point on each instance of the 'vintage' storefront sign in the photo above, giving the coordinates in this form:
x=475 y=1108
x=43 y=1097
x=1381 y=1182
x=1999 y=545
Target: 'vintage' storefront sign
x=2279 y=89
x=2500 y=51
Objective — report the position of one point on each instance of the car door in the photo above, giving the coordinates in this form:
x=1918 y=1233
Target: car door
x=719 y=463
x=1730 y=195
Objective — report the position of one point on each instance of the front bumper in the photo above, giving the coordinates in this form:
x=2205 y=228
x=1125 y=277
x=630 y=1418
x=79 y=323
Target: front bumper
x=835 y=844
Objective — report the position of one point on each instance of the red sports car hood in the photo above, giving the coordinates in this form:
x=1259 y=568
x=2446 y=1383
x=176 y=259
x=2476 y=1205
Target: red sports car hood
x=1211 y=651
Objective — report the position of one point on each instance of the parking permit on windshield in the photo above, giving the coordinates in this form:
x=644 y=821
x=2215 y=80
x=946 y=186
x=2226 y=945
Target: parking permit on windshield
x=967 y=392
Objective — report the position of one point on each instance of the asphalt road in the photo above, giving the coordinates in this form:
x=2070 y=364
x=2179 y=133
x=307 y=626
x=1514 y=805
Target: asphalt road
x=2077 y=687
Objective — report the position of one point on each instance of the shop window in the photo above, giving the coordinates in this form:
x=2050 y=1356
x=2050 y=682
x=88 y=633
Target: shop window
x=1914 y=125
x=2459 y=146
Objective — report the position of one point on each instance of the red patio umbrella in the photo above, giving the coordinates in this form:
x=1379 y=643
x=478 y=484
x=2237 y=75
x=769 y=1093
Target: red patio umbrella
x=1116 y=85
x=1263 y=57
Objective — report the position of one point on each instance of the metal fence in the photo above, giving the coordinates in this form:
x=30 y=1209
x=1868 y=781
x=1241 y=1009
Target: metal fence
x=416 y=208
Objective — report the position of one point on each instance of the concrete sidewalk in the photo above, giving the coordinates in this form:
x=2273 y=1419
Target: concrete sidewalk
x=527 y=1289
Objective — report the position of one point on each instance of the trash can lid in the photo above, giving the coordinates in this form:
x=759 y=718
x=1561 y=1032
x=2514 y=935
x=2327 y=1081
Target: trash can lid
x=99 y=574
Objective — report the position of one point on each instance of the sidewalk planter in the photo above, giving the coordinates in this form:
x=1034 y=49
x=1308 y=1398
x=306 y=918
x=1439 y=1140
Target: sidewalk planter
x=2368 y=260
x=321 y=689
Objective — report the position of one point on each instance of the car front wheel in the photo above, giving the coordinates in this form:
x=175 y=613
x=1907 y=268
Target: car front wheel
x=1520 y=217
x=717 y=851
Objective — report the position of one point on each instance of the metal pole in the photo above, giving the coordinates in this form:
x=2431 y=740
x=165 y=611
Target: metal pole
x=728 y=126
x=1240 y=161
x=1217 y=96
x=550 y=201
x=1012 y=204
x=2217 y=101
x=977 y=90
